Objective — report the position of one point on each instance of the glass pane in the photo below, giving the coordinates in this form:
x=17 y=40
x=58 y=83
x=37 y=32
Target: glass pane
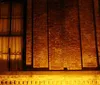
x=17 y=10
x=18 y=45
x=29 y=9
x=5 y=44
x=4 y=62
x=15 y=62
x=4 y=53
x=5 y=57
x=0 y=57
x=15 y=45
x=4 y=10
x=17 y=26
x=4 y=26
x=12 y=62
x=19 y=62
x=1 y=27
x=12 y=45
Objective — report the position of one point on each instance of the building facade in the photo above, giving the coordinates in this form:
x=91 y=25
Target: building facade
x=49 y=35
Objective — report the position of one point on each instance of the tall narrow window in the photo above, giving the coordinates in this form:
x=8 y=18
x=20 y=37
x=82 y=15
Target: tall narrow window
x=11 y=29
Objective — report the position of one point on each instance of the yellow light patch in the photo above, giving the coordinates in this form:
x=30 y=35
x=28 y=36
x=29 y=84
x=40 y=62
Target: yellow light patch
x=51 y=78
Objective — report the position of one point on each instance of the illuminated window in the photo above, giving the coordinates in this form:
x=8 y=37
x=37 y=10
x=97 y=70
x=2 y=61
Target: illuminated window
x=11 y=31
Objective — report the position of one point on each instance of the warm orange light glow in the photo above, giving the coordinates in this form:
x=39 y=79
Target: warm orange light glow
x=12 y=57
x=51 y=78
x=53 y=35
x=4 y=57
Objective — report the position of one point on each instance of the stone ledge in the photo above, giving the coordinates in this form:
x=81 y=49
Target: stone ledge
x=50 y=78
